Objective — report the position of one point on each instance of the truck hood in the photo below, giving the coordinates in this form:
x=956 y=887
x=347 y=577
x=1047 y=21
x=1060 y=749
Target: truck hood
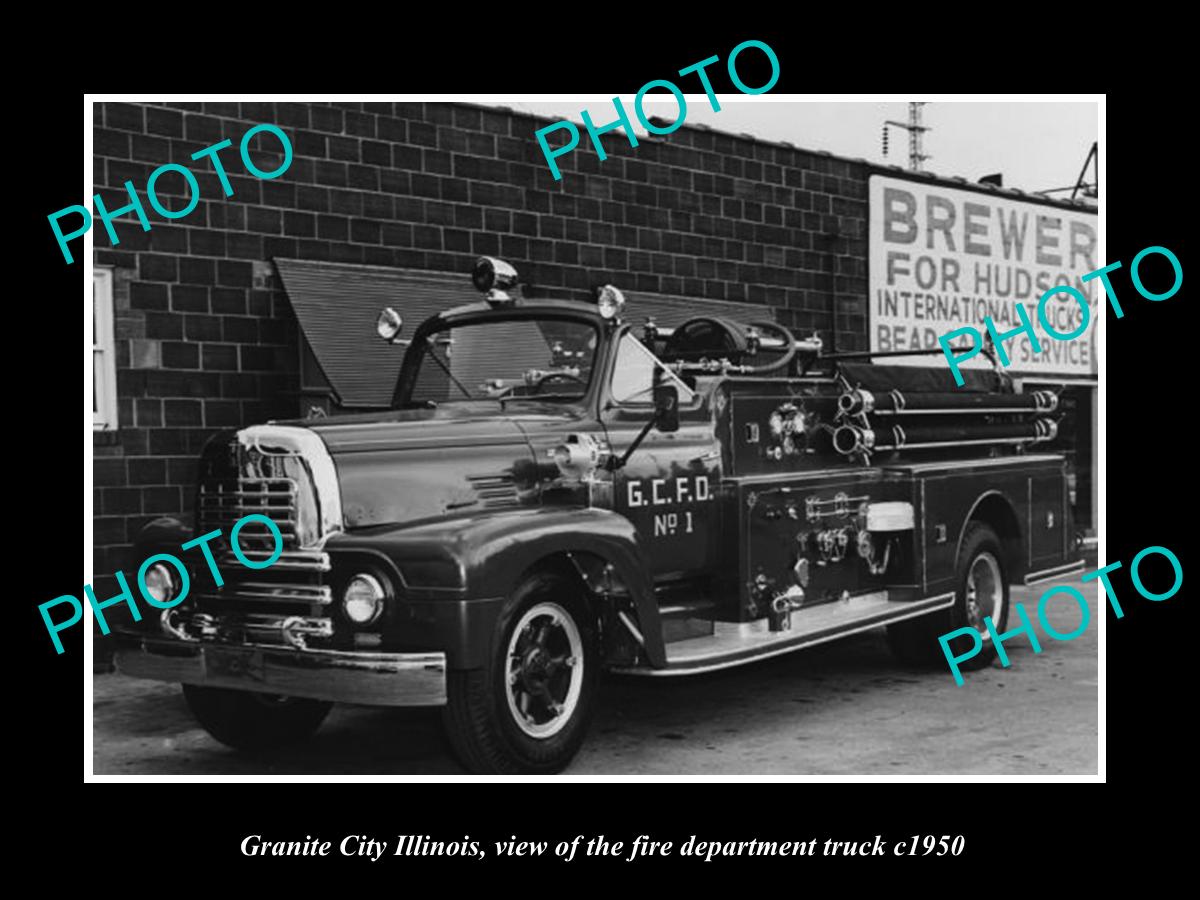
x=418 y=465
x=415 y=429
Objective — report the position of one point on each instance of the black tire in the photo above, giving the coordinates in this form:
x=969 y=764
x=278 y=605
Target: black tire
x=248 y=721
x=916 y=642
x=481 y=715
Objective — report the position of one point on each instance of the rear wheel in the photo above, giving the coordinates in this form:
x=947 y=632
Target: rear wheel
x=982 y=592
x=528 y=709
x=248 y=721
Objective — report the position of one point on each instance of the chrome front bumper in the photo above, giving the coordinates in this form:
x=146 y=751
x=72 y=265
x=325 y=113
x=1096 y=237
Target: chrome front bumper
x=373 y=679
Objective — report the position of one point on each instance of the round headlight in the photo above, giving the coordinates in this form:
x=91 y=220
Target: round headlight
x=160 y=582
x=363 y=600
x=388 y=324
x=610 y=300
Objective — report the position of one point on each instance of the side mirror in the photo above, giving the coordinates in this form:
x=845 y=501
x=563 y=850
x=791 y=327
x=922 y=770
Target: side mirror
x=665 y=419
x=666 y=408
x=388 y=325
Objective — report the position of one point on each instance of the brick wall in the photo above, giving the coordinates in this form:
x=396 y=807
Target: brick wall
x=206 y=340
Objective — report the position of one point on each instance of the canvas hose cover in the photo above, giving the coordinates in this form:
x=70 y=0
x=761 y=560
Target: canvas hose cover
x=880 y=379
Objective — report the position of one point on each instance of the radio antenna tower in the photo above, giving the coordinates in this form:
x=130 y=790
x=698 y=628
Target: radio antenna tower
x=1089 y=189
x=916 y=131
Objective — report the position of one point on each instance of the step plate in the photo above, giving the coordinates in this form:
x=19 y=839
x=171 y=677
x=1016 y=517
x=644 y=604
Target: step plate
x=688 y=629
x=737 y=643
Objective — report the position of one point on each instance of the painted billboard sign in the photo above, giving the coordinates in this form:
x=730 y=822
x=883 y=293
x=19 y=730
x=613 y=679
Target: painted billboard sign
x=942 y=258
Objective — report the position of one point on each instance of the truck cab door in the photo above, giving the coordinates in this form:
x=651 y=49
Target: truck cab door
x=669 y=487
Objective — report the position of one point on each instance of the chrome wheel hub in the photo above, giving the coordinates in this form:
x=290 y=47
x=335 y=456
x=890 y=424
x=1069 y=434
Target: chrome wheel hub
x=984 y=593
x=544 y=670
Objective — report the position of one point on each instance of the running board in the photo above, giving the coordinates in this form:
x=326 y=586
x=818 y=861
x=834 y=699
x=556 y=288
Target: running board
x=1056 y=572
x=738 y=643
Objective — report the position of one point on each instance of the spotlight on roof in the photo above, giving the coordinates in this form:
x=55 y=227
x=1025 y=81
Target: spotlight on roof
x=494 y=277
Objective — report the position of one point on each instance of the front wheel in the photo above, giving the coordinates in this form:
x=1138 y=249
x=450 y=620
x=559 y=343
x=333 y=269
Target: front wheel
x=528 y=709
x=249 y=721
x=982 y=592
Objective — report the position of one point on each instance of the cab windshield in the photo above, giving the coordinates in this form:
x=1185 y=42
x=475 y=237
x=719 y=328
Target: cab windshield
x=514 y=359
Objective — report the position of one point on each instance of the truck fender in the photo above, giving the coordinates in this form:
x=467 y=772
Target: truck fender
x=996 y=510
x=500 y=549
x=162 y=535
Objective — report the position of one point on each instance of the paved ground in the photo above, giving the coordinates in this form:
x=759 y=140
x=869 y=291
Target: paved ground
x=842 y=708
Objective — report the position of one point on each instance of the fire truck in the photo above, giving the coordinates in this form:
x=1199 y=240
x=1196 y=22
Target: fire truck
x=558 y=491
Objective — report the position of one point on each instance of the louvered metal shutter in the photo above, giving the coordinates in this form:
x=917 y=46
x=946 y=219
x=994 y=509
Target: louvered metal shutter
x=337 y=304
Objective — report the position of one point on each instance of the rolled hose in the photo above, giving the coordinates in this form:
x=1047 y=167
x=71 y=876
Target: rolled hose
x=788 y=355
x=858 y=400
x=848 y=439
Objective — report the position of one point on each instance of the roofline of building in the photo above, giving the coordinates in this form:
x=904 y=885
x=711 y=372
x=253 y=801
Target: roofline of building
x=954 y=181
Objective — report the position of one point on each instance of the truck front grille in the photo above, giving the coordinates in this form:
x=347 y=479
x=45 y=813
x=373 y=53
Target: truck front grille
x=267 y=471
x=275 y=593
x=223 y=503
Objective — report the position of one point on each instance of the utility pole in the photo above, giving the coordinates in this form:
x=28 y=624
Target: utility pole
x=916 y=154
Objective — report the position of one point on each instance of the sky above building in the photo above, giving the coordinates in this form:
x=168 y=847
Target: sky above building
x=1034 y=145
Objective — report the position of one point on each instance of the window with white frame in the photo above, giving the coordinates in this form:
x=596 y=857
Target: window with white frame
x=104 y=363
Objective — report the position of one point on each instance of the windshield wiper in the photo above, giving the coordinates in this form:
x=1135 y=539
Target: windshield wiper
x=445 y=368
